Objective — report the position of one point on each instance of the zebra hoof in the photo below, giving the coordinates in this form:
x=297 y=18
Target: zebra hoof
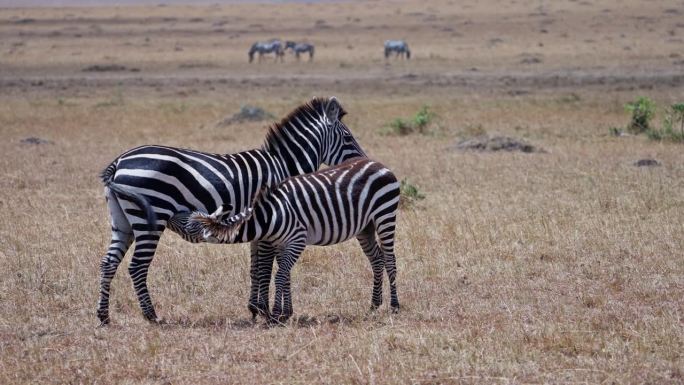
x=277 y=320
x=395 y=309
x=258 y=310
x=103 y=317
x=153 y=319
x=254 y=309
x=103 y=323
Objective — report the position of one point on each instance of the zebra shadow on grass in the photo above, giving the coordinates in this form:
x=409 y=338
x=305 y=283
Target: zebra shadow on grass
x=303 y=321
x=207 y=322
x=369 y=319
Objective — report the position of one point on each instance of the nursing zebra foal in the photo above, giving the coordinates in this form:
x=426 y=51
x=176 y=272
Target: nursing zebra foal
x=151 y=188
x=358 y=198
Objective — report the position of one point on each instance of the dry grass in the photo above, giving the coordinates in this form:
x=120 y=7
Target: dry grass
x=559 y=267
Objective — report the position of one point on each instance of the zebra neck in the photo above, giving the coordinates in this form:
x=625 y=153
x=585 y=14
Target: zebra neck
x=294 y=158
x=256 y=226
x=298 y=142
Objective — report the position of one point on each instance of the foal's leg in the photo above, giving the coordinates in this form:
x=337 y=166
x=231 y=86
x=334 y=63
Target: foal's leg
x=375 y=256
x=282 y=307
x=262 y=256
x=145 y=246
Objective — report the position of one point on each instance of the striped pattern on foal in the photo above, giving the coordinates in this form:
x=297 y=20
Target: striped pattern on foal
x=358 y=198
x=150 y=188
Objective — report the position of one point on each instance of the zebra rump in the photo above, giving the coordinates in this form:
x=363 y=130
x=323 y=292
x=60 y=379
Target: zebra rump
x=121 y=191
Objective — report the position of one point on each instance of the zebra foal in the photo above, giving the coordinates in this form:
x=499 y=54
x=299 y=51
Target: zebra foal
x=358 y=198
x=151 y=188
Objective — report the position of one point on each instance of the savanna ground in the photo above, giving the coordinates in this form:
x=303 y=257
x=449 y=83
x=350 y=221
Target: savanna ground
x=564 y=266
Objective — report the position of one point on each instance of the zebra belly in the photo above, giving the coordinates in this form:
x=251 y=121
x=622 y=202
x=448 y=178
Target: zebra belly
x=320 y=238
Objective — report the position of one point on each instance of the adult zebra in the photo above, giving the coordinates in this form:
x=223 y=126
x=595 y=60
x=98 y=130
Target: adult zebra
x=300 y=48
x=397 y=46
x=274 y=46
x=150 y=188
x=357 y=198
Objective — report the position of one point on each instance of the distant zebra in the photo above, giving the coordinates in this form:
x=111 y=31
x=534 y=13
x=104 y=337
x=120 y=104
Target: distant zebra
x=358 y=198
x=397 y=46
x=299 y=48
x=150 y=188
x=274 y=46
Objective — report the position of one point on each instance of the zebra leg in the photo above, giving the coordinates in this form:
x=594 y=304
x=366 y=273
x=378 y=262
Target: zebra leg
x=385 y=231
x=145 y=247
x=253 y=304
x=122 y=237
x=262 y=256
x=121 y=241
x=282 y=307
x=375 y=256
x=267 y=253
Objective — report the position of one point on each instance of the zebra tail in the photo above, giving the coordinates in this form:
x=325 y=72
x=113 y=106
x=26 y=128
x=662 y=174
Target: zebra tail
x=216 y=229
x=107 y=176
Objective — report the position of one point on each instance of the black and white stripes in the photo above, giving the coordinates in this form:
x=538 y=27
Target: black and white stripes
x=358 y=198
x=150 y=188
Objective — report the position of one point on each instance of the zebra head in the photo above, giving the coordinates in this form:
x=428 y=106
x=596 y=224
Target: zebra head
x=340 y=144
x=311 y=135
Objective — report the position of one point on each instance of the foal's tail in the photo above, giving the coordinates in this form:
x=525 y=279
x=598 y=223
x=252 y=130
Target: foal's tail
x=216 y=228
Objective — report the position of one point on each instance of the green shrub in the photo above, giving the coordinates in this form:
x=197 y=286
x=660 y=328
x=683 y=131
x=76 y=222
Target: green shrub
x=673 y=125
x=409 y=194
x=423 y=118
x=643 y=110
x=400 y=127
x=419 y=123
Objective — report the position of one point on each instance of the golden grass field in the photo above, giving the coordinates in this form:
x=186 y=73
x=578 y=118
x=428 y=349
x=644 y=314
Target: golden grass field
x=559 y=267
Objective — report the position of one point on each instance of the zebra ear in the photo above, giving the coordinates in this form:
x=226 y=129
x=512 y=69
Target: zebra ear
x=332 y=109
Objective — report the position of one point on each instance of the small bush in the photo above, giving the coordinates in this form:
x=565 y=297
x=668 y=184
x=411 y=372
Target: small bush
x=409 y=194
x=419 y=123
x=400 y=127
x=673 y=125
x=423 y=118
x=643 y=110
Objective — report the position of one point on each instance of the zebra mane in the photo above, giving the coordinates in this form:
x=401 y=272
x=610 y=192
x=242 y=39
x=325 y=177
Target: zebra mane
x=215 y=228
x=314 y=108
